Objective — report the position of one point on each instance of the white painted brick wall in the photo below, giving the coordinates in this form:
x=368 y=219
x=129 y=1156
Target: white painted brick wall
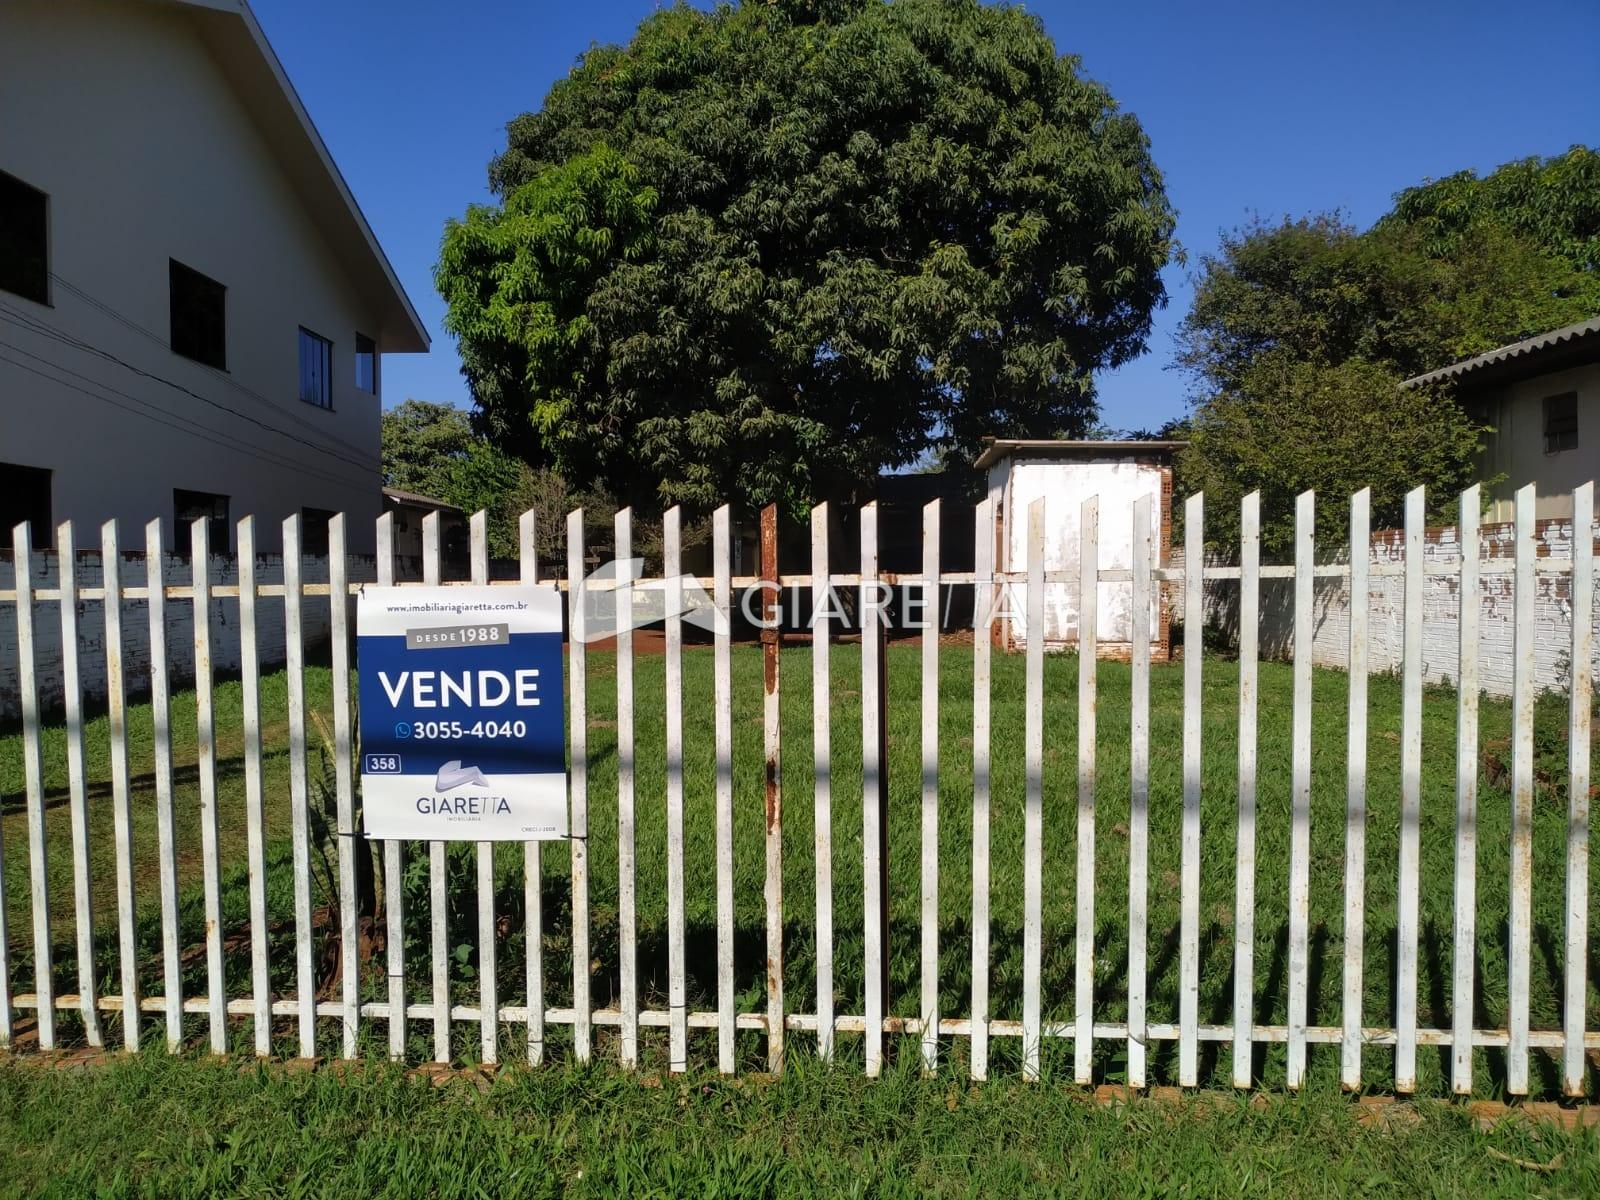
x=44 y=570
x=1441 y=610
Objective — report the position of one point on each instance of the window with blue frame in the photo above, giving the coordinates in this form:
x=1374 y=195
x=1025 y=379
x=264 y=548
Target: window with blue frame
x=366 y=364
x=316 y=369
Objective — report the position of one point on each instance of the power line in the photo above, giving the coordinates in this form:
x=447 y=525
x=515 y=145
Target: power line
x=24 y=322
x=177 y=423
x=221 y=376
x=171 y=420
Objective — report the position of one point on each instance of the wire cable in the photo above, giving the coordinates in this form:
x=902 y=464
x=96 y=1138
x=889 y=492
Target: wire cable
x=22 y=321
x=222 y=377
x=172 y=420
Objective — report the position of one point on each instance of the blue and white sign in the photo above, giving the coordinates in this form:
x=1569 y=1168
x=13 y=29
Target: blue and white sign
x=462 y=732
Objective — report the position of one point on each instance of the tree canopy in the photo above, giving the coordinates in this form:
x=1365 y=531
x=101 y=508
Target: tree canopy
x=424 y=446
x=765 y=252
x=1554 y=203
x=432 y=449
x=1301 y=332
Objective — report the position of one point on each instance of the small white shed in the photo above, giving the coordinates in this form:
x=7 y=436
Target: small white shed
x=1065 y=474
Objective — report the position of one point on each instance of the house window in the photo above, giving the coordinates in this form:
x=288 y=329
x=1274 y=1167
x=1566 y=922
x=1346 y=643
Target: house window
x=25 y=496
x=1561 y=423
x=366 y=364
x=316 y=369
x=314 y=531
x=199 y=316
x=24 y=240
x=188 y=507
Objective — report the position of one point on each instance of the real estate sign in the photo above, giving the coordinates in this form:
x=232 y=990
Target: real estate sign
x=462 y=734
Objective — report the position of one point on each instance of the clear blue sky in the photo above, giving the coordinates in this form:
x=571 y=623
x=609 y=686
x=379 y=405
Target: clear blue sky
x=1252 y=108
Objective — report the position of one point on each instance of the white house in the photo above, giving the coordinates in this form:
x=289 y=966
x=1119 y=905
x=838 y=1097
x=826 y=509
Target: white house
x=1064 y=474
x=1541 y=399
x=193 y=310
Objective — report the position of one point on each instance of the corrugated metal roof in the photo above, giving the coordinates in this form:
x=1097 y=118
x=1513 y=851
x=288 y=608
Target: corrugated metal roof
x=401 y=496
x=1067 y=448
x=1528 y=346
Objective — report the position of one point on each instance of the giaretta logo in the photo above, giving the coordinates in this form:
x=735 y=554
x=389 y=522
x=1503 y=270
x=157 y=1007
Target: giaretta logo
x=454 y=775
x=616 y=596
x=648 y=601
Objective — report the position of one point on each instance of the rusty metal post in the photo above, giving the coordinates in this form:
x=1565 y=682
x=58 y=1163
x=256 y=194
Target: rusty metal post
x=771 y=643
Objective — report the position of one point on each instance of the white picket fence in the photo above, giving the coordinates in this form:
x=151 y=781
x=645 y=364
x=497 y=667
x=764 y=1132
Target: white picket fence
x=995 y=591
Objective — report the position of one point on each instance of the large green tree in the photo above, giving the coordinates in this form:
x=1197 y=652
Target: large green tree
x=766 y=251
x=1301 y=333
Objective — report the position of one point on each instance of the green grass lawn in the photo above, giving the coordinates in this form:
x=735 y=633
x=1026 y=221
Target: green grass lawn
x=160 y=1127
x=186 y=808
x=1217 y=855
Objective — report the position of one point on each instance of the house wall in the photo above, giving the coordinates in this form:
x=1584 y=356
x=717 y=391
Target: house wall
x=1064 y=484
x=1516 y=449
x=120 y=113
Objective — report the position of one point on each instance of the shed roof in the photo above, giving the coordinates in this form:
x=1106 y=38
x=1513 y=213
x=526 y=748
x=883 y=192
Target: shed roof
x=999 y=448
x=401 y=496
x=1544 y=352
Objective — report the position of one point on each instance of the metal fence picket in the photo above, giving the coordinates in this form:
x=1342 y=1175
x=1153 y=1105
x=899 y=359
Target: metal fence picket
x=203 y=590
